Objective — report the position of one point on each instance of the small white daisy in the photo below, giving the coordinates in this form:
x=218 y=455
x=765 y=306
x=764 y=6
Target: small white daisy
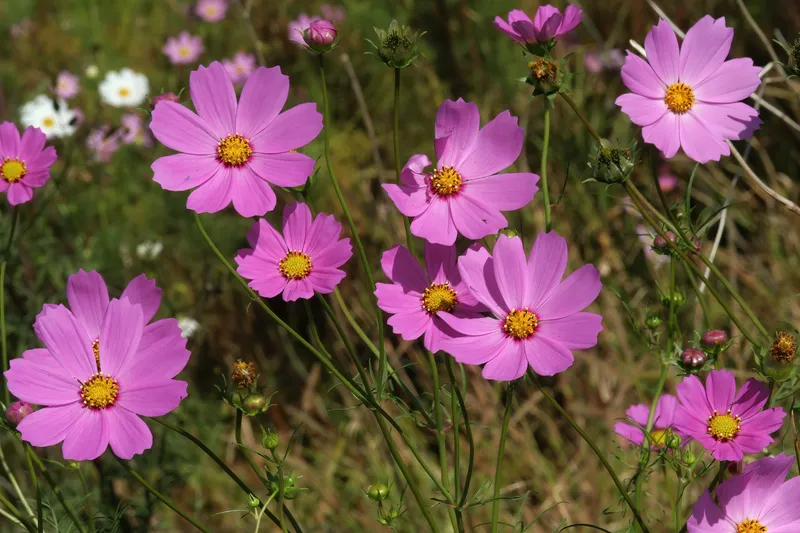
x=189 y=326
x=54 y=118
x=125 y=88
x=149 y=250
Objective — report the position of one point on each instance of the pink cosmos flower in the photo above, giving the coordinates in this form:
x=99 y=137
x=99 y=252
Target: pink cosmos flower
x=231 y=153
x=537 y=319
x=416 y=295
x=320 y=34
x=688 y=96
x=103 y=366
x=464 y=194
x=24 y=162
x=103 y=144
x=757 y=501
x=183 y=49
x=133 y=130
x=67 y=85
x=211 y=10
x=727 y=423
x=667 y=180
x=663 y=422
x=298 y=27
x=305 y=259
x=548 y=23
x=334 y=13
x=240 y=67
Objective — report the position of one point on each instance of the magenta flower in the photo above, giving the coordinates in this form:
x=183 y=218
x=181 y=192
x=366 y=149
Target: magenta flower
x=667 y=180
x=416 y=295
x=298 y=27
x=17 y=411
x=689 y=97
x=67 y=85
x=464 y=194
x=320 y=35
x=183 y=49
x=24 y=162
x=548 y=23
x=304 y=260
x=240 y=67
x=134 y=131
x=231 y=153
x=103 y=366
x=663 y=422
x=166 y=97
x=334 y=13
x=211 y=10
x=757 y=501
x=727 y=423
x=103 y=144
x=537 y=319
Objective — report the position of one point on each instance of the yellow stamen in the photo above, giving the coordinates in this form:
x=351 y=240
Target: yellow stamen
x=724 y=427
x=100 y=391
x=750 y=526
x=679 y=97
x=48 y=122
x=184 y=51
x=234 y=150
x=446 y=181
x=520 y=323
x=96 y=350
x=296 y=265
x=13 y=170
x=124 y=91
x=439 y=297
x=658 y=437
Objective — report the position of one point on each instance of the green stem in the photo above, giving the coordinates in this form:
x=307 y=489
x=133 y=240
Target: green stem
x=646 y=442
x=397 y=165
x=500 y=456
x=583 y=119
x=281 y=496
x=36 y=488
x=548 y=225
x=263 y=510
x=166 y=501
x=440 y=437
x=700 y=299
x=13 y=480
x=16 y=514
x=256 y=469
x=3 y=340
x=60 y=497
x=362 y=255
x=468 y=429
x=454 y=414
x=600 y=456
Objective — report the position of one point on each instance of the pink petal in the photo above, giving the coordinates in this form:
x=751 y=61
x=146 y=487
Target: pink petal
x=87 y=295
x=525 y=29
x=296 y=225
x=725 y=451
x=547 y=357
x=470 y=326
x=477 y=270
x=475 y=350
x=266 y=278
x=214 y=99
x=181 y=172
x=266 y=240
x=736 y=121
x=292 y=129
x=161 y=353
x=297 y=289
x=41 y=161
x=576 y=332
x=120 y=335
x=325 y=232
x=156 y=398
x=704 y=49
x=510 y=270
x=503 y=192
x=509 y=364
x=550 y=27
x=698 y=141
x=764 y=423
x=474 y=219
x=50 y=425
x=411 y=198
x=129 y=435
x=496 y=147
x=9 y=140
x=31 y=145
x=38 y=378
x=325 y=279
x=66 y=340
x=435 y=224
x=629 y=432
x=335 y=255
x=707 y=516
x=642 y=110
x=144 y=292
x=396 y=299
x=251 y=195
x=440 y=263
x=666 y=410
x=178 y=128
x=639 y=413
x=289 y=169
x=88 y=436
x=213 y=195
x=402 y=268
x=263 y=96
x=572 y=17
x=691 y=393
x=750 y=399
x=781 y=511
x=543 y=15
x=639 y=77
x=546 y=266
x=410 y=325
x=573 y=294
x=735 y=80
x=19 y=193
x=36 y=179
x=456 y=130
x=663 y=54
x=664 y=134
x=503 y=26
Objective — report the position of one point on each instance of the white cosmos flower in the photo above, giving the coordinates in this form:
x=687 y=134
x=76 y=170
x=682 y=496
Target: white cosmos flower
x=188 y=325
x=149 y=250
x=54 y=118
x=125 y=88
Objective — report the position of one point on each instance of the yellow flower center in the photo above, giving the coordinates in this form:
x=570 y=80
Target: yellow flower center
x=296 y=265
x=724 y=427
x=211 y=10
x=520 y=323
x=124 y=91
x=679 y=97
x=184 y=51
x=48 y=122
x=96 y=350
x=100 y=391
x=750 y=526
x=658 y=437
x=13 y=170
x=439 y=297
x=234 y=150
x=446 y=181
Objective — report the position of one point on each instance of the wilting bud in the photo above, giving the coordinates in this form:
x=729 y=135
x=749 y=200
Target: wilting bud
x=17 y=411
x=660 y=243
x=612 y=164
x=653 y=321
x=784 y=348
x=546 y=76
x=166 y=97
x=254 y=403
x=320 y=36
x=693 y=358
x=673 y=441
x=714 y=338
x=397 y=45
x=378 y=492
x=244 y=374
x=253 y=502
x=269 y=439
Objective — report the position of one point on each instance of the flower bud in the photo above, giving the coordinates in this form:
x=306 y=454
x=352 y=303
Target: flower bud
x=676 y=299
x=378 y=492
x=269 y=439
x=673 y=441
x=693 y=358
x=689 y=457
x=254 y=403
x=784 y=348
x=17 y=411
x=166 y=97
x=320 y=36
x=714 y=338
x=253 y=502
x=612 y=164
x=660 y=243
x=653 y=321
x=397 y=46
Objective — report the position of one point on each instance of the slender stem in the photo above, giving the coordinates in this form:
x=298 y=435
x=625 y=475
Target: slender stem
x=700 y=299
x=166 y=501
x=36 y=488
x=281 y=496
x=397 y=165
x=243 y=450
x=263 y=510
x=498 y=471
x=600 y=456
x=468 y=429
x=362 y=254
x=543 y=172
x=454 y=414
x=583 y=119
x=16 y=514
x=646 y=443
x=60 y=497
x=440 y=437
x=13 y=480
x=3 y=340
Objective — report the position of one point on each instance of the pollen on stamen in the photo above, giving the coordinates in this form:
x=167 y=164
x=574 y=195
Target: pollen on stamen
x=446 y=181
x=234 y=150
x=12 y=170
x=100 y=391
x=96 y=350
x=439 y=297
x=724 y=427
x=679 y=97
x=520 y=324
x=296 y=265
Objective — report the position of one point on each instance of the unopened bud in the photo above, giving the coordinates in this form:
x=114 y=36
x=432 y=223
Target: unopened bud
x=17 y=411
x=714 y=338
x=693 y=358
x=254 y=403
x=253 y=502
x=653 y=321
x=378 y=492
x=320 y=36
x=166 y=97
x=660 y=243
x=673 y=441
x=269 y=439
x=689 y=457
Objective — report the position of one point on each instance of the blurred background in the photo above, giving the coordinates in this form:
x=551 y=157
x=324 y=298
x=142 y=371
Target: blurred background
x=102 y=211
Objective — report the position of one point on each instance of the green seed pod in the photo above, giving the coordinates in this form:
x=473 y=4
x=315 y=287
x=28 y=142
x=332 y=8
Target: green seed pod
x=378 y=492
x=653 y=321
x=253 y=502
x=254 y=403
x=269 y=439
